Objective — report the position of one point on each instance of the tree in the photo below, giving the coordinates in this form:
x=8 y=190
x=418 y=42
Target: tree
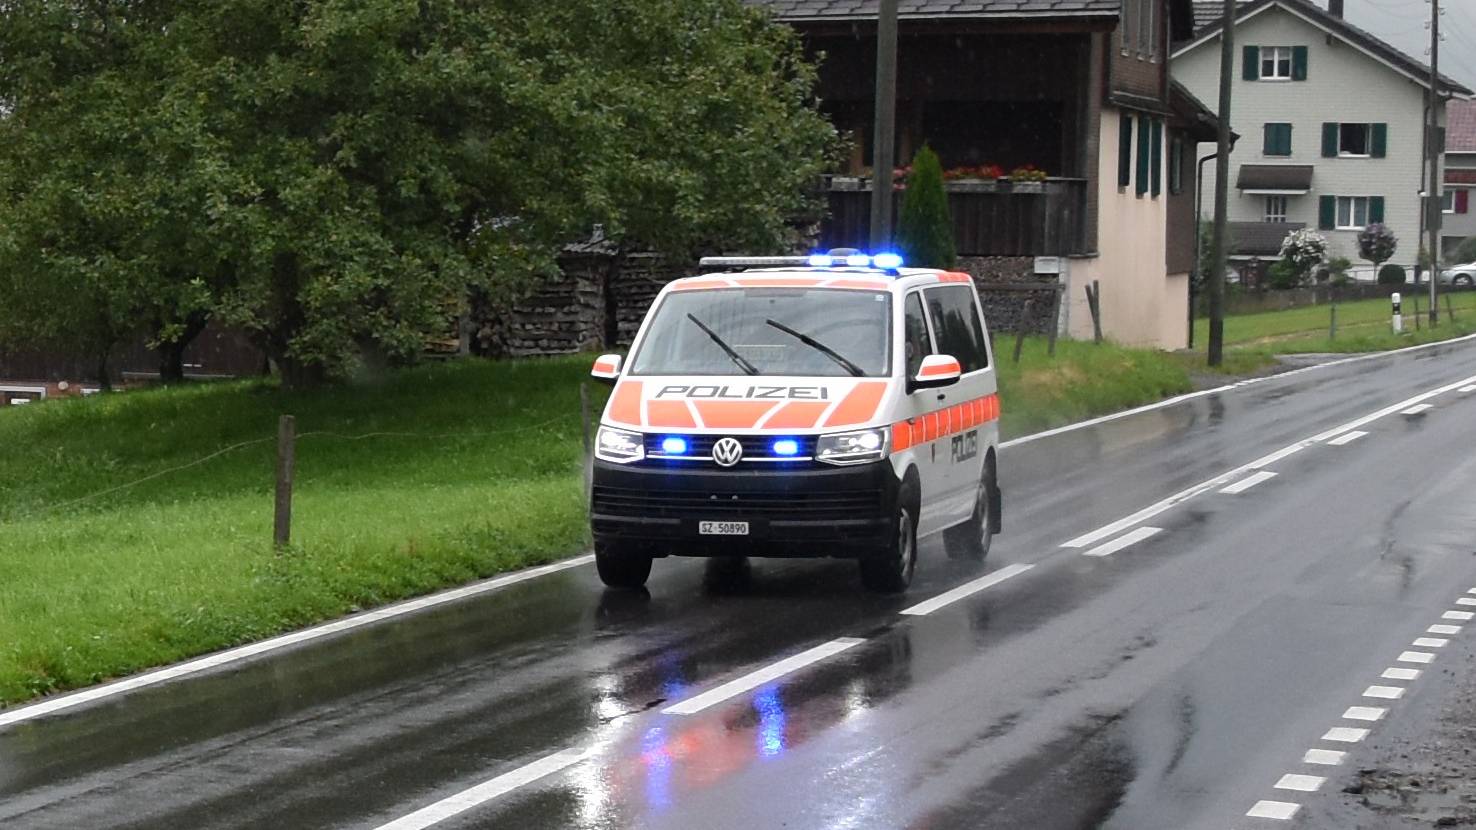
x=1301 y=251
x=924 y=227
x=1377 y=243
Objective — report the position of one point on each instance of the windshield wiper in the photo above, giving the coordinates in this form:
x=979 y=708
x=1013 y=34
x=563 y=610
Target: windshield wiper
x=743 y=364
x=819 y=347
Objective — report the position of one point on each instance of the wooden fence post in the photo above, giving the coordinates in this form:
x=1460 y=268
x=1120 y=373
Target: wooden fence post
x=1449 y=308
x=286 y=461
x=1094 y=303
x=1332 y=326
x=1020 y=330
x=1055 y=319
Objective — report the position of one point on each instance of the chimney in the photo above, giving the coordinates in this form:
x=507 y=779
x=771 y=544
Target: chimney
x=1335 y=8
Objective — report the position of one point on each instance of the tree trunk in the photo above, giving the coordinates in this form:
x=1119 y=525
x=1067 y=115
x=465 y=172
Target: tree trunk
x=171 y=355
x=104 y=371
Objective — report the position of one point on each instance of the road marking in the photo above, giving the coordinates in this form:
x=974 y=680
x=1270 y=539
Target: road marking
x=239 y=653
x=965 y=590
x=1274 y=809
x=1248 y=482
x=768 y=674
x=1301 y=783
x=485 y=791
x=1125 y=541
x=1325 y=757
x=1401 y=674
x=1431 y=642
x=1416 y=657
x=1345 y=735
x=1368 y=713
x=1472 y=591
x=1458 y=616
x=1390 y=410
x=1417 y=409
x=1347 y=438
x=1384 y=692
x=1466 y=601
x=1444 y=629
x=1268 y=460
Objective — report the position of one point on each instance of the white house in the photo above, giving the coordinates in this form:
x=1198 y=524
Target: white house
x=1331 y=118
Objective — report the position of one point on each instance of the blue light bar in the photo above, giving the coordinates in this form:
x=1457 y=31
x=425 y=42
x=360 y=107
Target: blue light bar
x=786 y=446
x=858 y=261
x=674 y=445
x=887 y=262
x=821 y=260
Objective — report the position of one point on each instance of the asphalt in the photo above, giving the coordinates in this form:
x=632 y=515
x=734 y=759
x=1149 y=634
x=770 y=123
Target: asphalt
x=1168 y=685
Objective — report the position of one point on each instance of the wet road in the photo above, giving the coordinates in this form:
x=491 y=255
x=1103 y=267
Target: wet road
x=1163 y=673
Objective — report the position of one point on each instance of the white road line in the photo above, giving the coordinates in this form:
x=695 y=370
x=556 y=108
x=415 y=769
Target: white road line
x=1444 y=629
x=1466 y=601
x=754 y=679
x=1417 y=409
x=965 y=590
x=485 y=791
x=239 y=653
x=1472 y=591
x=1384 y=692
x=1390 y=410
x=1347 y=438
x=1431 y=642
x=1345 y=735
x=1301 y=783
x=1396 y=673
x=1282 y=810
x=1416 y=657
x=1325 y=757
x=1458 y=616
x=1248 y=482
x=1268 y=460
x=1368 y=713
x=1124 y=541
x=1465 y=389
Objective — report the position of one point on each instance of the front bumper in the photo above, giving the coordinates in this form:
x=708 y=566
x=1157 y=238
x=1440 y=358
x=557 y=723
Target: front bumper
x=799 y=511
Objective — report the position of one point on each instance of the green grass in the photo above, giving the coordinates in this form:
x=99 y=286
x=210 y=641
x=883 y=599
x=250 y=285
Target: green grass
x=1362 y=326
x=1082 y=381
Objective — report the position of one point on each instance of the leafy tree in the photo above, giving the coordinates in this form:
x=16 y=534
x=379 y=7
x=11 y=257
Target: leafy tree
x=924 y=226
x=1377 y=243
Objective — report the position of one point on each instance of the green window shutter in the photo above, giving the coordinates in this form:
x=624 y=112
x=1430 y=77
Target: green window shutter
x=1157 y=157
x=1269 y=145
x=1327 y=213
x=1299 y=63
x=1251 y=67
x=1286 y=139
x=1125 y=150
x=1329 y=140
x=1143 y=154
x=1375 y=210
x=1379 y=141
x=1278 y=140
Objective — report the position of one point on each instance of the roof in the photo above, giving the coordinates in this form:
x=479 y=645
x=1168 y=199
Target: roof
x=856 y=279
x=1296 y=177
x=1260 y=239
x=1460 y=127
x=845 y=10
x=1203 y=122
x=1318 y=16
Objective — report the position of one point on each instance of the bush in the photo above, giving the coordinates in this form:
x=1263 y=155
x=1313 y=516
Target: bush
x=1376 y=243
x=1283 y=274
x=1335 y=271
x=1391 y=275
x=924 y=227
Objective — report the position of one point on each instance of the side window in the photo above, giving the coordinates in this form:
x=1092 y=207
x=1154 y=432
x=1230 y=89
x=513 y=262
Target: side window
x=916 y=334
x=956 y=321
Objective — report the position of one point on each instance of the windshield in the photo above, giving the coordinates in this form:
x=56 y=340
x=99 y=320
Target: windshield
x=811 y=332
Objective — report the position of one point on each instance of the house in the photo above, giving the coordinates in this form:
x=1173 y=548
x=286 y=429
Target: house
x=1333 y=118
x=1078 y=89
x=1460 y=174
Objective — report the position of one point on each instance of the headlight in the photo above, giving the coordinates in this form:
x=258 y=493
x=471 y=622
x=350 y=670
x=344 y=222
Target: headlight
x=853 y=447
x=619 y=445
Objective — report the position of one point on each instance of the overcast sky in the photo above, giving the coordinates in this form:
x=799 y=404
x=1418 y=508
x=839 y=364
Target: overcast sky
x=1404 y=23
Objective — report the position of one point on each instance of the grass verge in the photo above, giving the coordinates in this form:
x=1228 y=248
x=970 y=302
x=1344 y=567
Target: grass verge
x=1363 y=326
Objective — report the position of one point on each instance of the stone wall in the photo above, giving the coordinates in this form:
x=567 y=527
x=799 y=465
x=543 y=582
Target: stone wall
x=1006 y=289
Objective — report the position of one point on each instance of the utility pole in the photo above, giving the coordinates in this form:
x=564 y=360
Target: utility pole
x=884 y=129
x=1222 y=192
x=1433 y=202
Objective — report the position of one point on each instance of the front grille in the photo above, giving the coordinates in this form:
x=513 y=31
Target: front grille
x=820 y=506
x=699 y=447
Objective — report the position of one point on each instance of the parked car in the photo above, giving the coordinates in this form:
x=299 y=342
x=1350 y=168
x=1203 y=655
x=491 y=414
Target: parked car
x=1463 y=275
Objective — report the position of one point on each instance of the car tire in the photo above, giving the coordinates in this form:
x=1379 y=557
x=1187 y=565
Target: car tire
x=971 y=540
x=622 y=566
x=1463 y=280
x=890 y=571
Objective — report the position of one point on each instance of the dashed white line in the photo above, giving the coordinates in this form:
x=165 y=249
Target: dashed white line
x=1282 y=810
x=1384 y=692
x=1301 y=783
x=1416 y=657
x=1444 y=629
x=485 y=791
x=1458 y=616
x=1325 y=757
x=1466 y=601
x=1417 y=409
x=965 y=590
x=1347 y=438
x=1345 y=735
x=1401 y=674
x=1124 y=541
x=1366 y=713
x=1468 y=389
x=1267 y=460
x=768 y=674
x=1390 y=410
x=1431 y=642
x=1248 y=482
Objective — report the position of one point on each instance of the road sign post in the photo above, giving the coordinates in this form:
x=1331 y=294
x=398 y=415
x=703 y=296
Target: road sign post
x=1398 y=320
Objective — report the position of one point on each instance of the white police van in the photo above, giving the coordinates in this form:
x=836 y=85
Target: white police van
x=834 y=405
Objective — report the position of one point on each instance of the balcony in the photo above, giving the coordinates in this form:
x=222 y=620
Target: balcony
x=990 y=218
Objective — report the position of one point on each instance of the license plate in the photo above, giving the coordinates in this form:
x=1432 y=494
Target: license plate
x=722 y=528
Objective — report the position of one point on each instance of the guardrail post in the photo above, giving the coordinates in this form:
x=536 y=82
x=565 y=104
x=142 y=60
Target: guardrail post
x=1398 y=318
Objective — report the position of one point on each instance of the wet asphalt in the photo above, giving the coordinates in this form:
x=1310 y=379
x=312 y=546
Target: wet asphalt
x=1168 y=685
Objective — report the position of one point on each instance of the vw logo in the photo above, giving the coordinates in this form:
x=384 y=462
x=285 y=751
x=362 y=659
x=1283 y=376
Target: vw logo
x=727 y=452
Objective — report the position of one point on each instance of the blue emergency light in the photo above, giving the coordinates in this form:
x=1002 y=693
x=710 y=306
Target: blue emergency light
x=674 y=445
x=785 y=446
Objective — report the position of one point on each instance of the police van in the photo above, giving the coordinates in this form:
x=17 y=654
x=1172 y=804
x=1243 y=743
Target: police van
x=837 y=405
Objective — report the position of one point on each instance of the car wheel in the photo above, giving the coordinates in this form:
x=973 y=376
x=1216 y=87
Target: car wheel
x=890 y=571
x=622 y=566
x=1463 y=280
x=971 y=540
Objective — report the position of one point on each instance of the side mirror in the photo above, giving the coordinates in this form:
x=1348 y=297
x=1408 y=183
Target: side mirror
x=937 y=370
x=606 y=368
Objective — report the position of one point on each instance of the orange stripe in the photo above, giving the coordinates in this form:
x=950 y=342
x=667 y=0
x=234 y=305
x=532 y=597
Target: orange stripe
x=797 y=415
x=778 y=282
x=930 y=426
x=939 y=369
x=874 y=285
x=732 y=414
x=697 y=285
x=953 y=276
x=859 y=406
x=669 y=414
x=901 y=436
x=625 y=404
